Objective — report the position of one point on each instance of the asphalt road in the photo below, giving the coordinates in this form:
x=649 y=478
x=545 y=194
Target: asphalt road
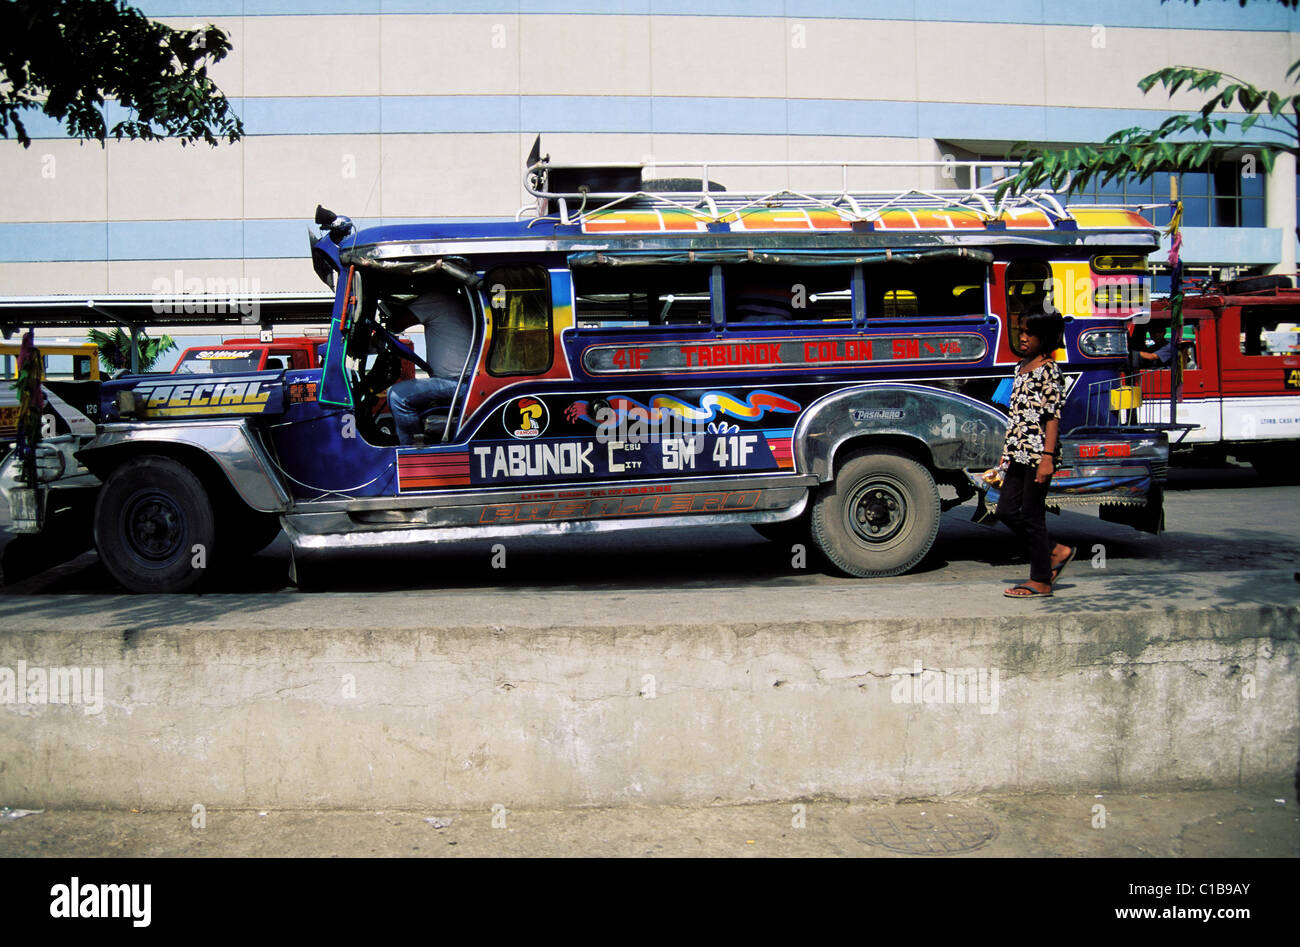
x=1220 y=519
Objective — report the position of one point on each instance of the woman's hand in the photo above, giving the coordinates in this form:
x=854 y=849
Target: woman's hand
x=1046 y=467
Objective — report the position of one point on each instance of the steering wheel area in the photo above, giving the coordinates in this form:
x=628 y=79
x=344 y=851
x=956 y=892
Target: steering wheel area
x=370 y=343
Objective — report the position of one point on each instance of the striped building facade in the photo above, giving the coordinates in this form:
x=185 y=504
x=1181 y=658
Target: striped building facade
x=392 y=110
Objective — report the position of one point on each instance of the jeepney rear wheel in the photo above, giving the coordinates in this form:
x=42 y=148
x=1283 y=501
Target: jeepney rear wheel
x=879 y=517
x=154 y=526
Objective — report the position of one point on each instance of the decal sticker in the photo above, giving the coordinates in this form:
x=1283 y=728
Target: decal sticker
x=228 y=396
x=660 y=357
x=533 y=460
x=711 y=405
x=525 y=418
x=417 y=470
x=550 y=460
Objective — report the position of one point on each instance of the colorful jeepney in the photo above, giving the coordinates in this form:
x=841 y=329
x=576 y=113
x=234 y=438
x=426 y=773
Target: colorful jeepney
x=822 y=366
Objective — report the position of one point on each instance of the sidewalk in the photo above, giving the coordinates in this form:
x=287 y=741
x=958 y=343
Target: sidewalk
x=1095 y=595
x=1223 y=823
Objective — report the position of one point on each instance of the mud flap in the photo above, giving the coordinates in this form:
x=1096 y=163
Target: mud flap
x=1149 y=518
x=27 y=509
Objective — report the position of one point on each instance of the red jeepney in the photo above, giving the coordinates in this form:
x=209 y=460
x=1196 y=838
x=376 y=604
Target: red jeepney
x=290 y=352
x=250 y=355
x=1241 y=373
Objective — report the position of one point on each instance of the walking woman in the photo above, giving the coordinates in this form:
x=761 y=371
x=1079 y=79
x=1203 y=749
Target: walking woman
x=1033 y=451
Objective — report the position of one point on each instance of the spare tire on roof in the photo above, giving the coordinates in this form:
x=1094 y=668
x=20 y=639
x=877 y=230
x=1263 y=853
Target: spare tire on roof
x=673 y=185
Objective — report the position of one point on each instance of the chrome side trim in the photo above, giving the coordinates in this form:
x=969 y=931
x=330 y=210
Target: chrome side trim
x=477 y=498
x=231 y=444
x=377 y=538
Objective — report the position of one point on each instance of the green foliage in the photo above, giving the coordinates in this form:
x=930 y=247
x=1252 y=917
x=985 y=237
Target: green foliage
x=1179 y=143
x=115 y=349
x=66 y=57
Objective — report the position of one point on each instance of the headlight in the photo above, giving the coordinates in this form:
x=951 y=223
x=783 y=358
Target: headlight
x=1100 y=343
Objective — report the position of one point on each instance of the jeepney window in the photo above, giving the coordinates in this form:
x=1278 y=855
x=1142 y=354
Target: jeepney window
x=218 y=361
x=757 y=293
x=1191 y=339
x=1270 y=330
x=925 y=290
x=614 y=297
x=1152 y=336
x=899 y=303
x=1028 y=286
x=519 y=298
x=59 y=366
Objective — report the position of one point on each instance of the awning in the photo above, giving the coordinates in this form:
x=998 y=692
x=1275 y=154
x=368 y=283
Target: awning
x=138 y=311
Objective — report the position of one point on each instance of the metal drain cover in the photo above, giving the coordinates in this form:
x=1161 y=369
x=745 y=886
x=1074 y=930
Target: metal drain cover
x=930 y=830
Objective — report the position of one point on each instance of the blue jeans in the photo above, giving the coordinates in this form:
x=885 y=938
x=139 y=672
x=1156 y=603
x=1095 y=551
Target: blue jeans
x=408 y=399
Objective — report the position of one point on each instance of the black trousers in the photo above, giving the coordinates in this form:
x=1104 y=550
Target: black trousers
x=1022 y=506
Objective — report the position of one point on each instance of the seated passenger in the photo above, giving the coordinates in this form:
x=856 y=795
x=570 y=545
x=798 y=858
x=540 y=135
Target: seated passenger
x=448 y=335
x=763 y=305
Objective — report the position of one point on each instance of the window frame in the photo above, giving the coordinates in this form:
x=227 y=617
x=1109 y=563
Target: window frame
x=497 y=334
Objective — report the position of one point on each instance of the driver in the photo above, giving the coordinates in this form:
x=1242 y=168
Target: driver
x=448 y=334
x=1162 y=350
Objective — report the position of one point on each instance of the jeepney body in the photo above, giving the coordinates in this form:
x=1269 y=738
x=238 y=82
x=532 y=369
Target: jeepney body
x=629 y=370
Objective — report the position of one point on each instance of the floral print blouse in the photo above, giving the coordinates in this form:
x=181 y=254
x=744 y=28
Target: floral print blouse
x=1036 y=398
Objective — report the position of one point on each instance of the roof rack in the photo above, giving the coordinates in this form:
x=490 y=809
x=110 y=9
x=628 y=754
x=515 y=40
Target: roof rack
x=575 y=192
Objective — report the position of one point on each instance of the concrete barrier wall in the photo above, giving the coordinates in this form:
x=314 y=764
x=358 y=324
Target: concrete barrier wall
x=634 y=711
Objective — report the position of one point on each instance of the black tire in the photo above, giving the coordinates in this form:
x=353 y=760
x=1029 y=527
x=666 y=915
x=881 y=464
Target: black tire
x=245 y=532
x=879 y=517
x=1275 y=468
x=150 y=514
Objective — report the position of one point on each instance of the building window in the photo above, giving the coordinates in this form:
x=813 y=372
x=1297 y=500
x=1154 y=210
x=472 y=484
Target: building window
x=1231 y=194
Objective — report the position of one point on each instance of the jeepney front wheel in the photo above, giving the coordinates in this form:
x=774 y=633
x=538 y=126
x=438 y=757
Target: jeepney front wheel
x=880 y=515
x=154 y=526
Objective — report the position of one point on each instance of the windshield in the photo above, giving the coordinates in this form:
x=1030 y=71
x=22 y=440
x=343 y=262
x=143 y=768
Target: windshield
x=218 y=361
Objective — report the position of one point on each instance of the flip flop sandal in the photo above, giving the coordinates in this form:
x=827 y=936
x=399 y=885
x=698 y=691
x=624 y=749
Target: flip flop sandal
x=1056 y=573
x=1029 y=592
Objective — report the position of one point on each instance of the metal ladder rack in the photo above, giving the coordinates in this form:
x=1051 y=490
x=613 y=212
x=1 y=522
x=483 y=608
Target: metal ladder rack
x=713 y=206
x=1152 y=413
